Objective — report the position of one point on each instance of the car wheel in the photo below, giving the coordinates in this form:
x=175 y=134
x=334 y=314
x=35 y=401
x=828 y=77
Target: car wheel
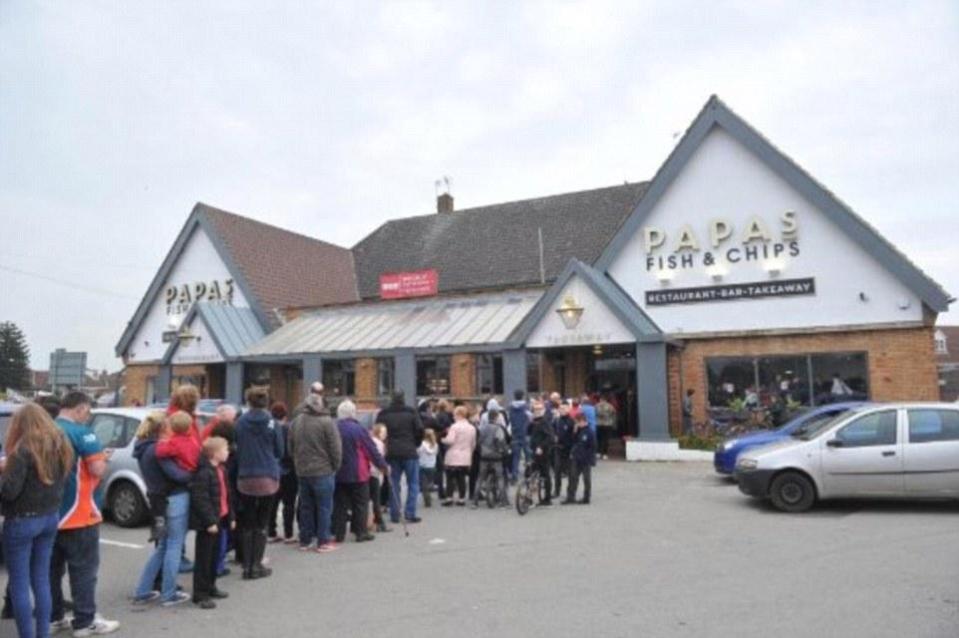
x=127 y=505
x=792 y=492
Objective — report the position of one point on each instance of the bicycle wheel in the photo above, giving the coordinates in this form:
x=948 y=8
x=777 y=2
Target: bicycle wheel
x=523 y=500
x=492 y=494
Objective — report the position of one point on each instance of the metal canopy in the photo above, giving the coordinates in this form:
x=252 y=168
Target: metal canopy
x=474 y=320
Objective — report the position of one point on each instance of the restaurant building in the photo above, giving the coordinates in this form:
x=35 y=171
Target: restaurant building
x=732 y=273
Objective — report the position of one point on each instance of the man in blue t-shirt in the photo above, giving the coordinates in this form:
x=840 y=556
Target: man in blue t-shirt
x=77 y=547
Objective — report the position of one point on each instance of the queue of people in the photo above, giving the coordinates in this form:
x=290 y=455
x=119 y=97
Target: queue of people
x=229 y=481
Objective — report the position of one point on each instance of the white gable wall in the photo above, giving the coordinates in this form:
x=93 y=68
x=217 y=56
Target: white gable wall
x=199 y=262
x=597 y=325
x=724 y=180
x=200 y=350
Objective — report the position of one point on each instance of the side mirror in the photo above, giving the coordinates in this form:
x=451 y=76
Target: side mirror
x=834 y=443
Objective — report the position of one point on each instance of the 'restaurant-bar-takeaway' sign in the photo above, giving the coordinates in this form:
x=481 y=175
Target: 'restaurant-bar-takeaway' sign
x=732 y=292
x=402 y=285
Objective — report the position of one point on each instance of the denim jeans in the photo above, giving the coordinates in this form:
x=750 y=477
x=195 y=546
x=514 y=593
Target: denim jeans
x=79 y=550
x=166 y=556
x=520 y=446
x=27 y=548
x=411 y=468
x=316 y=508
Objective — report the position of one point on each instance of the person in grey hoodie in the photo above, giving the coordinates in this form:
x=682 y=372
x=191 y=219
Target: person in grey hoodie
x=317 y=451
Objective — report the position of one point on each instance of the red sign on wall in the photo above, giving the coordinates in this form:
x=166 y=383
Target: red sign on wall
x=401 y=285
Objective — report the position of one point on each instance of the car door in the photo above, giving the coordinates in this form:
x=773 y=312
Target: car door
x=864 y=457
x=931 y=453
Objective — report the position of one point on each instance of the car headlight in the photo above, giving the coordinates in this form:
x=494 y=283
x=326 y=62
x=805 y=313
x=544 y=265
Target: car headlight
x=728 y=445
x=747 y=464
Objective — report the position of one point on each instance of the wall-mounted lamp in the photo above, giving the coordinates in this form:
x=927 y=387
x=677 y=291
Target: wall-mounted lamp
x=773 y=266
x=598 y=350
x=863 y=297
x=716 y=271
x=570 y=312
x=185 y=334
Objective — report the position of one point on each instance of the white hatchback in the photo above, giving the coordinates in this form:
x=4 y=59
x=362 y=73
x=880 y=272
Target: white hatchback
x=893 y=450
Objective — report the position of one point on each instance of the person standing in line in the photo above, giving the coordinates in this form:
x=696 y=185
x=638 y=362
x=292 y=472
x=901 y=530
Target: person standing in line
x=317 y=451
x=352 y=495
x=563 y=426
x=224 y=417
x=288 y=481
x=377 y=477
x=427 y=451
x=583 y=458
x=444 y=419
x=519 y=418
x=404 y=435
x=542 y=440
x=258 y=452
x=167 y=485
x=688 y=411
x=493 y=444
x=461 y=441
x=77 y=547
x=32 y=478
x=605 y=424
x=588 y=409
x=209 y=512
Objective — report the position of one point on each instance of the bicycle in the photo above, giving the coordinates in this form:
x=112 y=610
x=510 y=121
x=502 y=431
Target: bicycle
x=489 y=486
x=530 y=491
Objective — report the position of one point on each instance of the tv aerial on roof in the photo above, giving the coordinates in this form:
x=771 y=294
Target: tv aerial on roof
x=442 y=185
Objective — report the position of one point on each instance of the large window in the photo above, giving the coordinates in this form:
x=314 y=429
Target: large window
x=339 y=377
x=807 y=379
x=534 y=372
x=432 y=375
x=385 y=376
x=489 y=374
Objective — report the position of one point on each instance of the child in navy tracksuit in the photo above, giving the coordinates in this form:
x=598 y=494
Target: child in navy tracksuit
x=583 y=458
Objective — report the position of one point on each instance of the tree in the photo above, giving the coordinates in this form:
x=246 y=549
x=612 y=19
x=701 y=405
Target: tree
x=14 y=358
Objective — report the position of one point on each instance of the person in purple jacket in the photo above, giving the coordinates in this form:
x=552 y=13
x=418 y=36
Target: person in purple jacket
x=351 y=498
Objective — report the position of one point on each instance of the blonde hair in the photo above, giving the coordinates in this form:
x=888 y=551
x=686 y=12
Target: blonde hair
x=185 y=398
x=429 y=435
x=460 y=412
x=379 y=429
x=32 y=429
x=180 y=422
x=213 y=445
x=151 y=425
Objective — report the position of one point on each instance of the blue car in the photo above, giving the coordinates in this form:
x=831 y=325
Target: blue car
x=724 y=459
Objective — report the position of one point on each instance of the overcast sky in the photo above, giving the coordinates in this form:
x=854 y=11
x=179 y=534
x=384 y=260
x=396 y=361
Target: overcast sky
x=328 y=119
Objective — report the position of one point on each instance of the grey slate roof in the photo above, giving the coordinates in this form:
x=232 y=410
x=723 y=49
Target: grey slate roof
x=497 y=246
x=233 y=329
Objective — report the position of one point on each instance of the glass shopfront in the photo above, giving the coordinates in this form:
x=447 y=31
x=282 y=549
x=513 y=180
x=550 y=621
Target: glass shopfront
x=806 y=379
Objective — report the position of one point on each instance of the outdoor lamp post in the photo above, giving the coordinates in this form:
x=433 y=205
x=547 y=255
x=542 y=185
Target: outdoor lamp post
x=570 y=312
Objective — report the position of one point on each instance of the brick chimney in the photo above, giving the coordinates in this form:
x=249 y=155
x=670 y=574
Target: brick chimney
x=444 y=203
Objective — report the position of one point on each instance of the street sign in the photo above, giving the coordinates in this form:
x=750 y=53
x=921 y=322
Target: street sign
x=67 y=368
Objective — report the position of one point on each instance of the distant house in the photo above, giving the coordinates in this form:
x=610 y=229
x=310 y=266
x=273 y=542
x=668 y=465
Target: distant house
x=947 y=361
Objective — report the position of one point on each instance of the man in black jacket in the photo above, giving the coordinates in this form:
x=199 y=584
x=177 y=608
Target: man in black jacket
x=542 y=439
x=404 y=435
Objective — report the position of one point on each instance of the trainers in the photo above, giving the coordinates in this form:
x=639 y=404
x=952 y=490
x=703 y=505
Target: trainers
x=327 y=547
x=59 y=625
x=273 y=539
x=99 y=627
x=179 y=597
x=291 y=541
x=146 y=598
x=206 y=603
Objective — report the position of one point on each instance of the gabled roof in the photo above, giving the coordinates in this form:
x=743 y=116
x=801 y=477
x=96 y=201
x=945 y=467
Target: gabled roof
x=496 y=246
x=716 y=113
x=632 y=316
x=233 y=329
x=274 y=268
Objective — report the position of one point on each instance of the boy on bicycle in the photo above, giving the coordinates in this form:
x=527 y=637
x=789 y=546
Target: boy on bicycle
x=494 y=446
x=542 y=439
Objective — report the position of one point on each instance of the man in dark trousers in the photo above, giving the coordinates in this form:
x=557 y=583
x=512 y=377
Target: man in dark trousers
x=404 y=435
x=542 y=439
x=583 y=458
x=563 y=425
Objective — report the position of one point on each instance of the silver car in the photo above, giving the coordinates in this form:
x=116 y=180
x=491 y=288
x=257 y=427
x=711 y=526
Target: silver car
x=123 y=488
x=894 y=450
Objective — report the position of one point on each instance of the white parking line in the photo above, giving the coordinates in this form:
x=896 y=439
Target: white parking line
x=107 y=541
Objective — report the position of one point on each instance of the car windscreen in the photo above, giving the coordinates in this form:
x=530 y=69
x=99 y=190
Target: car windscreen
x=814 y=429
x=815 y=421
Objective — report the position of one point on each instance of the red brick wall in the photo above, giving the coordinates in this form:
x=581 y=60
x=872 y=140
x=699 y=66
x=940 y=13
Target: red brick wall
x=135 y=380
x=901 y=362
x=463 y=375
